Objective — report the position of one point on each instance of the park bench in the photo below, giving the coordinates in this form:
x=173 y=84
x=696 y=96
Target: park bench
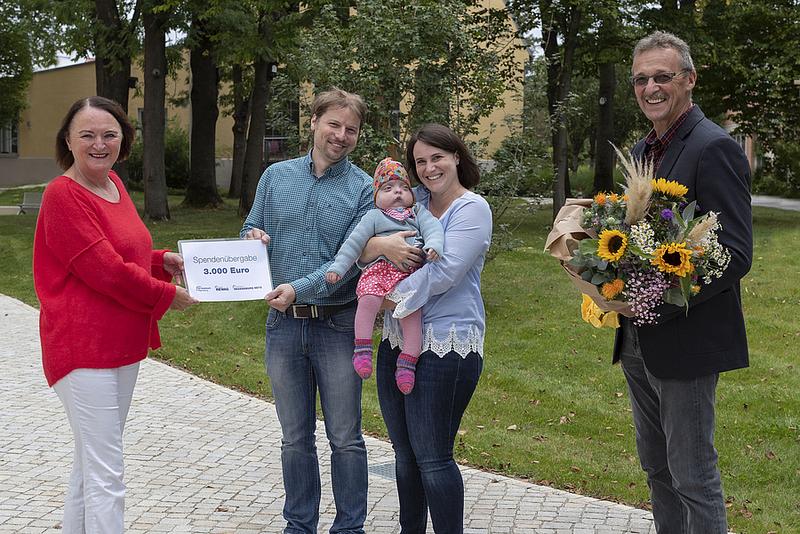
x=31 y=202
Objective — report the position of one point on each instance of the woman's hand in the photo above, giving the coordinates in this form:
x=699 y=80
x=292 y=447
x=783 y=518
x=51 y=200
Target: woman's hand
x=394 y=248
x=173 y=264
x=182 y=299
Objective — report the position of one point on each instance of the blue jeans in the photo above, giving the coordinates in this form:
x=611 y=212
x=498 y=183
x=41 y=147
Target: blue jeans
x=303 y=356
x=422 y=427
x=674 y=420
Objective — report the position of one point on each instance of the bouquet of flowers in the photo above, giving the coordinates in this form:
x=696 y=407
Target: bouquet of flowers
x=640 y=249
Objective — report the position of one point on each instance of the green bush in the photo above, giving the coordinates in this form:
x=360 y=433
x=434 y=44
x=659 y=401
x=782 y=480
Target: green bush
x=780 y=175
x=522 y=167
x=176 y=158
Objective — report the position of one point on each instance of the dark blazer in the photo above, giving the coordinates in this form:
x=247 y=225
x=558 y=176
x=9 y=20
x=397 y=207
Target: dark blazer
x=711 y=338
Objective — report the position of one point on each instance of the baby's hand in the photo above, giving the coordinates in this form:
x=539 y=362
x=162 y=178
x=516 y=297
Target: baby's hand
x=331 y=277
x=432 y=255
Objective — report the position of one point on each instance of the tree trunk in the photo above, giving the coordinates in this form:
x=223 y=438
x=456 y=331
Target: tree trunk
x=241 y=115
x=113 y=63
x=559 y=80
x=113 y=74
x=604 y=152
x=254 y=156
x=552 y=55
x=201 y=190
x=155 y=69
x=575 y=145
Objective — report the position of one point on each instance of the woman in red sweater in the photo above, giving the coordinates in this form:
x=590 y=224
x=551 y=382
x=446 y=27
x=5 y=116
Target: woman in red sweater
x=102 y=290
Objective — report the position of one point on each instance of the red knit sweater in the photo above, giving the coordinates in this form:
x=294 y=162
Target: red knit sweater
x=101 y=287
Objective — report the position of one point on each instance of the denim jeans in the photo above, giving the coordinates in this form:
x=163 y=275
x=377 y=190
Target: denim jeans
x=422 y=427
x=303 y=356
x=674 y=420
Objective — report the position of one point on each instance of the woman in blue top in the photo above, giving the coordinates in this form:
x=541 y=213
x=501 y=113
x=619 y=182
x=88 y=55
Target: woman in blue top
x=423 y=424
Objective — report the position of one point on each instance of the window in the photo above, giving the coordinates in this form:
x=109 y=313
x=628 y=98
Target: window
x=8 y=138
x=283 y=116
x=742 y=140
x=276 y=148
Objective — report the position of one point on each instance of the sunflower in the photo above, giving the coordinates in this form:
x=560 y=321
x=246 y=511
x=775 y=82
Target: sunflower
x=670 y=188
x=673 y=258
x=612 y=245
x=611 y=289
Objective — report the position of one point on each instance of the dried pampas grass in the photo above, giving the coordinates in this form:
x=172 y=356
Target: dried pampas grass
x=701 y=229
x=638 y=176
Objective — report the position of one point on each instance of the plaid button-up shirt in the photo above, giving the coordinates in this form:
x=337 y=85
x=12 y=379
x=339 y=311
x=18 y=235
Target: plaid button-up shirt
x=656 y=147
x=308 y=219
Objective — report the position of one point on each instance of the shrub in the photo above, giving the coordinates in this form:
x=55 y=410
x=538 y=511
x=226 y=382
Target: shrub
x=522 y=166
x=176 y=158
x=780 y=175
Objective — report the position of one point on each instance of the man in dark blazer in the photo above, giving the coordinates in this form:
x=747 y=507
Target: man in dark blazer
x=672 y=367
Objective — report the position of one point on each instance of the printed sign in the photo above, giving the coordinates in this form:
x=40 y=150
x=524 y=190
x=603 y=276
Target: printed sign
x=220 y=270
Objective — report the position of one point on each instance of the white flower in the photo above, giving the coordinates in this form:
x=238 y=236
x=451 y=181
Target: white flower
x=643 y=236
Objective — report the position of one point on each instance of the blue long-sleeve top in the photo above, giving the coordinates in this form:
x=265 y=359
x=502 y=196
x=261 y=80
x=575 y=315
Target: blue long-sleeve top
x=308 y=218
x=378 y=223
x=448 y=290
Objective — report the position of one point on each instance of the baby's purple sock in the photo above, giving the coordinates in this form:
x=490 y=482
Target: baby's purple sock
x=362 y=358
x=404 y=376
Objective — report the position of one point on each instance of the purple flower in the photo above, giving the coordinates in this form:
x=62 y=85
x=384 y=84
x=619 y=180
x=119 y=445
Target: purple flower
x=667 y=214
x=644 y=291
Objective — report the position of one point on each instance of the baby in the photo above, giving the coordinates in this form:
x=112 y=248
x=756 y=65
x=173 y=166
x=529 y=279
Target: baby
x=395 y=211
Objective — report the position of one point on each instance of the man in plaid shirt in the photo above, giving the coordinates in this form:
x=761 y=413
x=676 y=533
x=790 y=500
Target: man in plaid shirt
x=304 y=209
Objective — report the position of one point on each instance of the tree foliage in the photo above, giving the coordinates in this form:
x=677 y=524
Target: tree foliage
x=413 y=62
x=744 y=52
x=28 y=38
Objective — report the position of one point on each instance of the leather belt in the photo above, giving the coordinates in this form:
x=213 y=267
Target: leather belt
x=314 y=311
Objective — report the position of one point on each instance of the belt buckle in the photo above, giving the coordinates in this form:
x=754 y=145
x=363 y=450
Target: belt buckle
x=305 y=311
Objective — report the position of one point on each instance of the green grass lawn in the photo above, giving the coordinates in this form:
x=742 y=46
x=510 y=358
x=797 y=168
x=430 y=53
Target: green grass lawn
x=549 y=407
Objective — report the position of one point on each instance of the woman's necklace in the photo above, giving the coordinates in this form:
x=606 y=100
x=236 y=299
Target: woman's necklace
x=107 y=190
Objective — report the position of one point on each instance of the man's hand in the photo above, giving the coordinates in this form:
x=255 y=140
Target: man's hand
x=281 y=297
x=257 y=233
x=331 y=277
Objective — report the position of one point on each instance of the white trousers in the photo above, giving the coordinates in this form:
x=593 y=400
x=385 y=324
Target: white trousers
x=97 y=403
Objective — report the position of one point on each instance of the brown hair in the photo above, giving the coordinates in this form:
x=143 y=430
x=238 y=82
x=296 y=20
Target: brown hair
x=439 y=136
x=64 y=156
x=336 y=98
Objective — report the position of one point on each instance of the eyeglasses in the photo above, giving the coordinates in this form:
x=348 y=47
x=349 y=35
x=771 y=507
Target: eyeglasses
x=661 y=78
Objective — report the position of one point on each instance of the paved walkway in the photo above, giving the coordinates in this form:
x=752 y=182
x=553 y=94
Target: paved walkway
x=201 y=458
x=776 y=202
x=756 y=200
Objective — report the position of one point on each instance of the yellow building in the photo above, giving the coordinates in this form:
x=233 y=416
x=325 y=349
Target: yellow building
x=28 y=155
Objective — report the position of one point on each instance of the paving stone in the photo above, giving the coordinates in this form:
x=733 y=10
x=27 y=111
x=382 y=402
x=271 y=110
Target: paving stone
x=203 y=459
